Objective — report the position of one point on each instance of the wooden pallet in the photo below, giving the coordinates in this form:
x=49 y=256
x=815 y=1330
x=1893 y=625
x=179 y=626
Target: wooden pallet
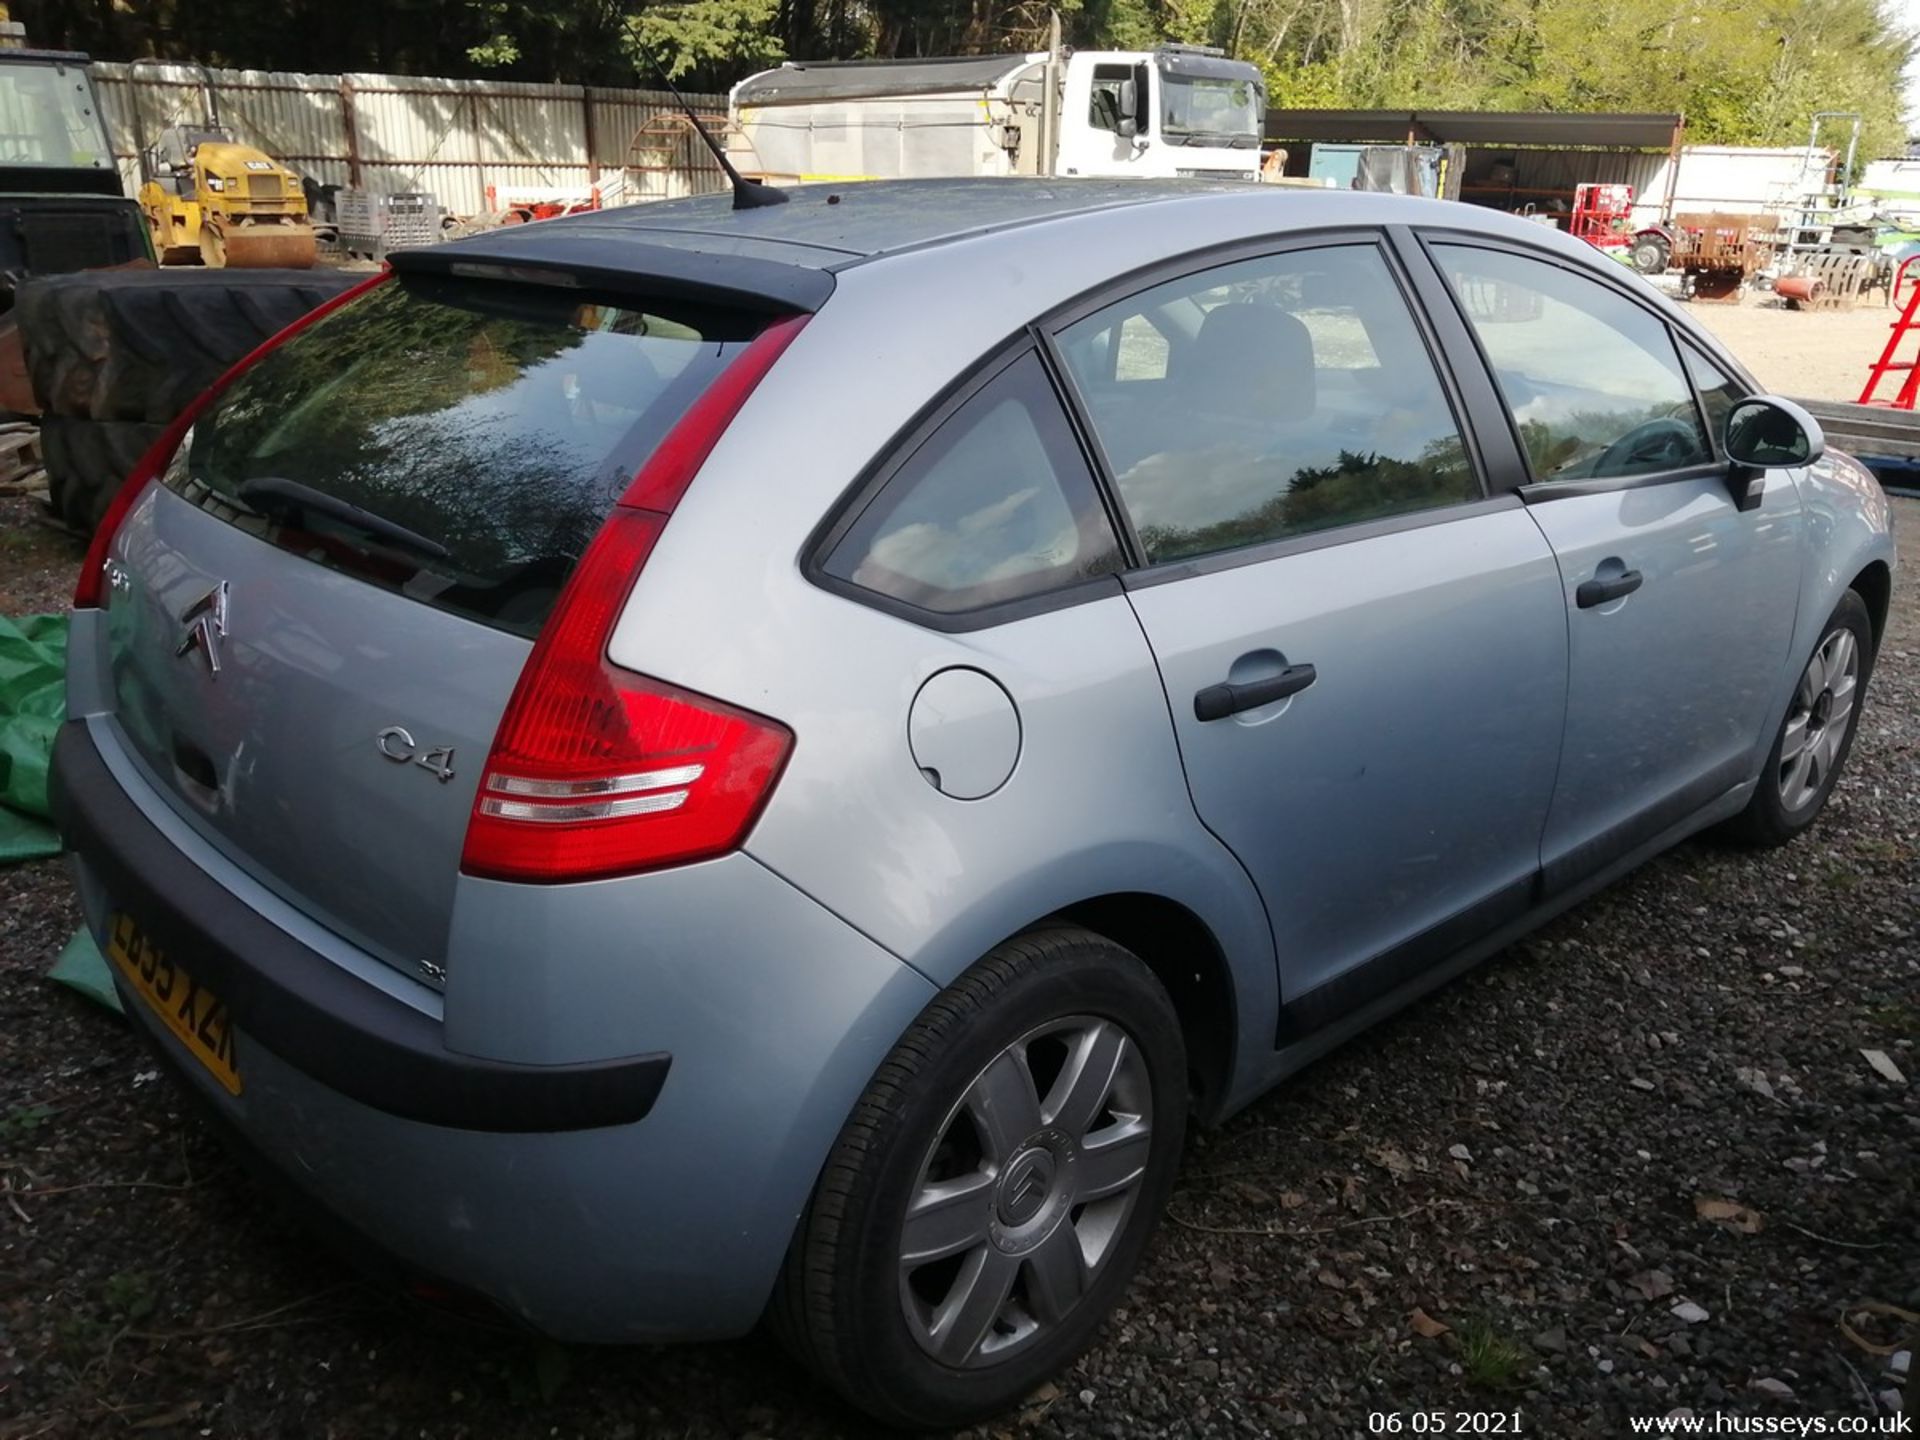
x=22 y=467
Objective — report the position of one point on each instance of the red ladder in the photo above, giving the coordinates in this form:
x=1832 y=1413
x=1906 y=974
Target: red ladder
x=1886 y=364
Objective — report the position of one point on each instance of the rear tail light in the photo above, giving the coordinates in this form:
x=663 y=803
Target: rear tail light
x=597 y=771
x=86 y=594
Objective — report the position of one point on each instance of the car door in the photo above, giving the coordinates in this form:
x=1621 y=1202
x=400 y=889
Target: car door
x=1364 y=654
x=1680 y=600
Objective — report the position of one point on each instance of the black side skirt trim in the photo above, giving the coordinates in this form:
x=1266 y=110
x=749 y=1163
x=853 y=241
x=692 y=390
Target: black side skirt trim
x=1349 y=990
x=1315 y=1022
x=1609 y=845
x=325 y=1022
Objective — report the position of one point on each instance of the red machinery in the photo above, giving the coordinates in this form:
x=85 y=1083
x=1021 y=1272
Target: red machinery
x=1603 y=216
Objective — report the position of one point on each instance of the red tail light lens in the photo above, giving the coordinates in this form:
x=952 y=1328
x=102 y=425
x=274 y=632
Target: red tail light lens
x=86 y=594
x=597 y=771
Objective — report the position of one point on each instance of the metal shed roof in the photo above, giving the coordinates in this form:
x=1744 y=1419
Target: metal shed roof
x=800 y=81
x=1550 y=129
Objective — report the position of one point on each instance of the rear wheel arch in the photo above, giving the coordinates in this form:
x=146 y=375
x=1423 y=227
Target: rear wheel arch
x=1186 y=957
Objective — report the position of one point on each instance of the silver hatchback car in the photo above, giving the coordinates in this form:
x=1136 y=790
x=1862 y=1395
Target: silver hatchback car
x=691 y=764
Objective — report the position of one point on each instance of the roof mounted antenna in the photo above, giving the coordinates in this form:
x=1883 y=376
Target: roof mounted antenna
x=747 y=194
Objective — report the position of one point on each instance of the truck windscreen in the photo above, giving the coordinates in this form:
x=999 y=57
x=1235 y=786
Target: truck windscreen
x=1197 y=109
x=48 y=117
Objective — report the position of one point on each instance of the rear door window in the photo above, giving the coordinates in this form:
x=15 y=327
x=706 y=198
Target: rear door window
x=996 y=505
x=457 y=442
x=1293 y=394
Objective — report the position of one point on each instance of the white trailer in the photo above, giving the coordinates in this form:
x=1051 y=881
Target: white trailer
x=1177 y=111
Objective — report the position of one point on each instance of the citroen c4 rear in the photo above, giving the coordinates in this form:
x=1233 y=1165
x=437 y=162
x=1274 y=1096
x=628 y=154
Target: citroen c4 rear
x=694 y=764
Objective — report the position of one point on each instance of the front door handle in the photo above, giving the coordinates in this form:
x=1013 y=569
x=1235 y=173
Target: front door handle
x=1599 y=592
x=1216 y=702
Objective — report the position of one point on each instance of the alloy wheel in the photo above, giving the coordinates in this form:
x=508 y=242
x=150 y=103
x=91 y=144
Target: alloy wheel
x=1818 y=719
x=1025 y=1190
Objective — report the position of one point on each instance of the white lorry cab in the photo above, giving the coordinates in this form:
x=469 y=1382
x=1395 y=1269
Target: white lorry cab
x=1177 y=111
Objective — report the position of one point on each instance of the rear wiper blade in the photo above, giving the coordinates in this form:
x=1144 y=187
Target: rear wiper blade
x=284 y=495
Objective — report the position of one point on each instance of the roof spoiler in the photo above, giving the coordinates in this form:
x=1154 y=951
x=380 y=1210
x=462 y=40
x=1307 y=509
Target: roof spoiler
x=570 y=255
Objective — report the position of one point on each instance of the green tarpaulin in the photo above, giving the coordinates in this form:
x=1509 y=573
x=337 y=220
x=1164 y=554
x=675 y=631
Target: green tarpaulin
x=33 y=682
x=33 y=668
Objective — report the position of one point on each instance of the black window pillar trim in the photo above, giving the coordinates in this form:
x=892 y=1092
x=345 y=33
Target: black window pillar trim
x=1132 y=551
x=1503 y=458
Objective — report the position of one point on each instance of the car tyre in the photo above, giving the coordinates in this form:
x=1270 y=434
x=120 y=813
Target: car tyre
x=1812 y=742
x=976 y=1123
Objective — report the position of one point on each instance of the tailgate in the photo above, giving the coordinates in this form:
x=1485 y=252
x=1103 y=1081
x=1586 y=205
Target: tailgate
x=316 y=618
x=334 y=752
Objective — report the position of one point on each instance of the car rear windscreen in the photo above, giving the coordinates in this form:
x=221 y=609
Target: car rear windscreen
x=458 y=442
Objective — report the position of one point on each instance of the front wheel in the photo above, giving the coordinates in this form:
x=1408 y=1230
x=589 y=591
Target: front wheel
x=989 y=1198
x=1816 y=734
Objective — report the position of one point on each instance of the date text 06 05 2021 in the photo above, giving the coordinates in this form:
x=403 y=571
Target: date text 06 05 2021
x=1444 y=1422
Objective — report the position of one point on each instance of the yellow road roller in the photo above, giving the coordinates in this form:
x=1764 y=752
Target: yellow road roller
x=211 y=200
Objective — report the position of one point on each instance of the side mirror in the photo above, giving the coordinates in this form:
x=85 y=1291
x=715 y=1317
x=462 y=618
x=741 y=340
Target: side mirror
x=1765 y=432
x=1126 y=127
x=1129 y=103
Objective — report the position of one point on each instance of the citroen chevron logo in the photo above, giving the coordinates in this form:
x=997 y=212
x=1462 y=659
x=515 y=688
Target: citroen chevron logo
x=206 y=622
x=1028 y=1188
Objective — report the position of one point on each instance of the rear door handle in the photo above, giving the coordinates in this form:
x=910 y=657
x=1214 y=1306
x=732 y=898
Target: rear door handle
x=1216 y=702
x=1599 y=592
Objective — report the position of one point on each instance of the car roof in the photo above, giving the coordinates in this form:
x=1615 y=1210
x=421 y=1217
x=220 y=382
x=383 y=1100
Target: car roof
x=832 y=225
x=785 y=257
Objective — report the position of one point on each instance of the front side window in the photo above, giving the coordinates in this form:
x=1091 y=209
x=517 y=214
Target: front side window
x=1119 y=93
x=47 y=118
x=1294 y=394
x=996 y=505
x=1719 y=392
x=1592 y=379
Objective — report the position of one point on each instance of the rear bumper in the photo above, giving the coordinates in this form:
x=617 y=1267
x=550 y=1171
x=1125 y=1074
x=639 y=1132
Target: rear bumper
x=335 y=1028
x=776 y=1013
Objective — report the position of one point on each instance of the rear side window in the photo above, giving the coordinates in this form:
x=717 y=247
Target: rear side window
x=996 y=505
x=457 y=442
x=1593 y=380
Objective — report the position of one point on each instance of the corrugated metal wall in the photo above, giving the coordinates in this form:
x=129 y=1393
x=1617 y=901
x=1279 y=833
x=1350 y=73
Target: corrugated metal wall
x=458 y=139
x=1740 y=179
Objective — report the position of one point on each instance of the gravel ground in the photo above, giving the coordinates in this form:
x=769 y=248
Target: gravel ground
x=1636 y=1163
x=1811 y=354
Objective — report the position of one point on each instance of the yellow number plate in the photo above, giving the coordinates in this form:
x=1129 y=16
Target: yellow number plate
x=192 y=1012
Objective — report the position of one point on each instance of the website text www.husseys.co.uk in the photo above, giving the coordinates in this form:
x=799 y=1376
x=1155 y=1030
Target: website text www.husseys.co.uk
x=1683 y=1423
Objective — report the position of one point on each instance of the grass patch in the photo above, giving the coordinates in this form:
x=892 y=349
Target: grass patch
x=1490 y=1360
x=19 y=1123
x=1900 y=1017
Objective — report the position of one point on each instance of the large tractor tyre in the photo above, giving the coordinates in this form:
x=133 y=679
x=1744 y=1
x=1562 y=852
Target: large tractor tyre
x=87 y=462
x=138 y=345
x=1650 y=254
